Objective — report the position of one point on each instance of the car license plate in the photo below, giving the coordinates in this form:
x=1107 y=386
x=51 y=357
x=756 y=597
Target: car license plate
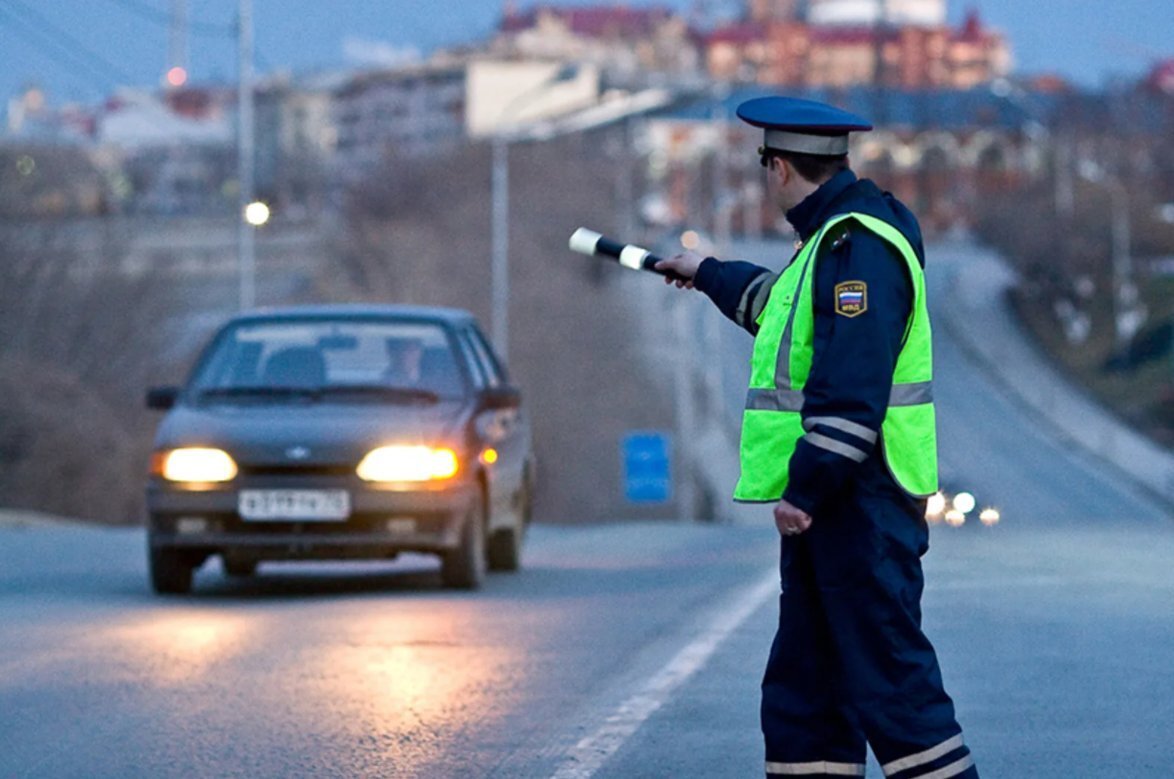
x=297 y=505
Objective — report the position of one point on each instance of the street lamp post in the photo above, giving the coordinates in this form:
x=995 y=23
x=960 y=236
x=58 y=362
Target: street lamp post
x=499 y=269
x=500 y=220
x=1037 y=130
x=1128 y=312
x=246 y=256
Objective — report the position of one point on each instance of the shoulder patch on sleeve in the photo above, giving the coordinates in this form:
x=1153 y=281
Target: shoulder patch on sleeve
x=851 y=298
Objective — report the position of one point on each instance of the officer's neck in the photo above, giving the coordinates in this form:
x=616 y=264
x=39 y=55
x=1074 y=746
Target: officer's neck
x=814 y=209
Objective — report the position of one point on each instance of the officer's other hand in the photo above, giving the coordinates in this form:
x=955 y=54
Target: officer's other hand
x=683 y=264
x=790 y=520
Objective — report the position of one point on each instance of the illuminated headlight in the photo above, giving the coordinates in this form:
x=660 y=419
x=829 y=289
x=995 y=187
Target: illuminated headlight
x=955 y=518
x=989 y=517
x=935 y=505
x=964 y=502
x=198 y=465
x=408 y=463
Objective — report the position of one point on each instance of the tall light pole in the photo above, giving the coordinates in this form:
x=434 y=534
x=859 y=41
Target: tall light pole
x=246 y=256
x=500 y=227
x=1039 y=132
x=1128 y=312
x=499 y=269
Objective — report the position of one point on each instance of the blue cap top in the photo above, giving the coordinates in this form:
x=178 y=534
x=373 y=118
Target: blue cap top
x=793 y=124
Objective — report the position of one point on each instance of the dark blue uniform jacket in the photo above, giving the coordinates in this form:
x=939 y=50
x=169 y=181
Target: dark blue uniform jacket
x=854 y=357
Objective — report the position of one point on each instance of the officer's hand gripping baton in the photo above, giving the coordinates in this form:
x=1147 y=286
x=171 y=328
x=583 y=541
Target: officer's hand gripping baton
x=593 y=244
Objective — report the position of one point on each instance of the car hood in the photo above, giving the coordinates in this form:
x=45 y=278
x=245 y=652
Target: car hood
x=312 y=433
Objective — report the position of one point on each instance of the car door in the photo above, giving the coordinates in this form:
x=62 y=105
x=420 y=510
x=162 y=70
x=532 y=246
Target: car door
x=505 y=430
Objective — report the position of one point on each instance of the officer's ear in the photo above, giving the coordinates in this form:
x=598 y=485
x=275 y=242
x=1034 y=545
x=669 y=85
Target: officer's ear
x=781 y=168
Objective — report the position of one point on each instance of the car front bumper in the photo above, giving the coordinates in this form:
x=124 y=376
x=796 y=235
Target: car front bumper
x=382 y=521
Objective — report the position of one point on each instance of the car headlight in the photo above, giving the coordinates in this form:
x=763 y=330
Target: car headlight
x=935 y=505
x=964 y=502
x=408 y=463
x=197 y=465
x=989 y=517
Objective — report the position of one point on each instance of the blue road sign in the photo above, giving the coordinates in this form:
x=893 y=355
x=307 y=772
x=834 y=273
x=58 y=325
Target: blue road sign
x=646 y=456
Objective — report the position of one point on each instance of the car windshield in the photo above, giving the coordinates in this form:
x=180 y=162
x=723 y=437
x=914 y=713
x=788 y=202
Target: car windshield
x=342 y=360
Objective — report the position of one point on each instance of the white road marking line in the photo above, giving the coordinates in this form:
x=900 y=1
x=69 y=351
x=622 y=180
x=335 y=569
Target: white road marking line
x=589 y=755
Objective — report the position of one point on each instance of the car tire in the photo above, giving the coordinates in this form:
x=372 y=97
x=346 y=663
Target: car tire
x=505 y=550
x=171 y=571
x=505 y=546
x=238 y=568
x=463 y=568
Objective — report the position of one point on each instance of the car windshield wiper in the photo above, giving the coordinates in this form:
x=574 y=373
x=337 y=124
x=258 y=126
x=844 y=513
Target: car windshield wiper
x=384 y=391
x=260 y=391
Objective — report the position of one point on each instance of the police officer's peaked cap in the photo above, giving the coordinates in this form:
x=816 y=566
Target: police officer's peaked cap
x=805 y=126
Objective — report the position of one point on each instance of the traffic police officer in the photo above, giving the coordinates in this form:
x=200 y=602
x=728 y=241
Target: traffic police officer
x=838 y=433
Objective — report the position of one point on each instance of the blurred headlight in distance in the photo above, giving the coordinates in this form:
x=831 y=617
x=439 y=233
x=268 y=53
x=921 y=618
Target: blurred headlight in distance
x=935 y=505
x=198 y=465
x=955 y=518
x=408 y=463
x=965 y=502
x=989 y=516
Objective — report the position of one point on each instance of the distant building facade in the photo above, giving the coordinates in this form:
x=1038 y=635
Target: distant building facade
x=941 y=152
x=902 y=44
x=626 y=43
x=407 y=111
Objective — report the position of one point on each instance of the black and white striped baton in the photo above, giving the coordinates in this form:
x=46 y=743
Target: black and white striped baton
x=629 y=255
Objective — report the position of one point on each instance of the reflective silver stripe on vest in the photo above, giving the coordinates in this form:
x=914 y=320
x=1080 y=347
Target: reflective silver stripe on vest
x=911 y=394
x=921 y=758
x=774 y=400
x=836 y=447
x=843 y=425
x=747 y=313
x=792 y=400
x=783 y=360
x=818 y=768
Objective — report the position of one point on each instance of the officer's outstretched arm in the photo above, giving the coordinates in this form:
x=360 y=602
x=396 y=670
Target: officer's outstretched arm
x=738 y=289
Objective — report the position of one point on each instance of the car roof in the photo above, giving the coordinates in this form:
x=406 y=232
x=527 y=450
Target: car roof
x=451 y=316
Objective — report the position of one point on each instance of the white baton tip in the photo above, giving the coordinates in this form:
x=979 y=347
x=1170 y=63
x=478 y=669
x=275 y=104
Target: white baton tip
x=633 y=257
x=584 y=241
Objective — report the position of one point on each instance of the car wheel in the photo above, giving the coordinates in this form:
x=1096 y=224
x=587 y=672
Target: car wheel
x=171 y=571
x=505 y=546
x=464 y=567
x=505 y=550
x=238 y=568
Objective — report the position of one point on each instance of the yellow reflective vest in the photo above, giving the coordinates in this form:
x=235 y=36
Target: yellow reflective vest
x=772 y=422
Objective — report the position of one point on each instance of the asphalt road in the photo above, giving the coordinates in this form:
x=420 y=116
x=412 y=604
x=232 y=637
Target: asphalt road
x=621 y=650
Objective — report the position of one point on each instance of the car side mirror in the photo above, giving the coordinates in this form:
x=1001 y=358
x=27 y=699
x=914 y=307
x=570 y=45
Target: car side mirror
x=162 y=398
x=503 y=397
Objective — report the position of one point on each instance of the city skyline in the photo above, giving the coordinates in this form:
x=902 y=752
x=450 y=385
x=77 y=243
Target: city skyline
x=82 y=51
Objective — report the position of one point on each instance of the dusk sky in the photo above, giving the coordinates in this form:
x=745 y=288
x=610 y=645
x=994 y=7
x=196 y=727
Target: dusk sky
x=82 y=49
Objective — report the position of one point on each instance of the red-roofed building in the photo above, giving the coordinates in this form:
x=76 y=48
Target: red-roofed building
x=1161 y=78
x=797 y=53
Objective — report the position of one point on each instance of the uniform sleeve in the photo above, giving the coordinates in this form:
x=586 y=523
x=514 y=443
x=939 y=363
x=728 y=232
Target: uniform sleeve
x=739 y=289
x=863 y=299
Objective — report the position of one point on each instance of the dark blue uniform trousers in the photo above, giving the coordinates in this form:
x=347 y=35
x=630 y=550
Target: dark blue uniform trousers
x=849 y=662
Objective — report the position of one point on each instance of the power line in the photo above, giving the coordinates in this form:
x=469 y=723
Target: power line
x=65 y=55
x=72 y=70
x=205 y=29
x=55 y=36
x=154 y=15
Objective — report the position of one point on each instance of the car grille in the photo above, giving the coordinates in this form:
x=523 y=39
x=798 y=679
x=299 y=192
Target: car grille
x=297 y=470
